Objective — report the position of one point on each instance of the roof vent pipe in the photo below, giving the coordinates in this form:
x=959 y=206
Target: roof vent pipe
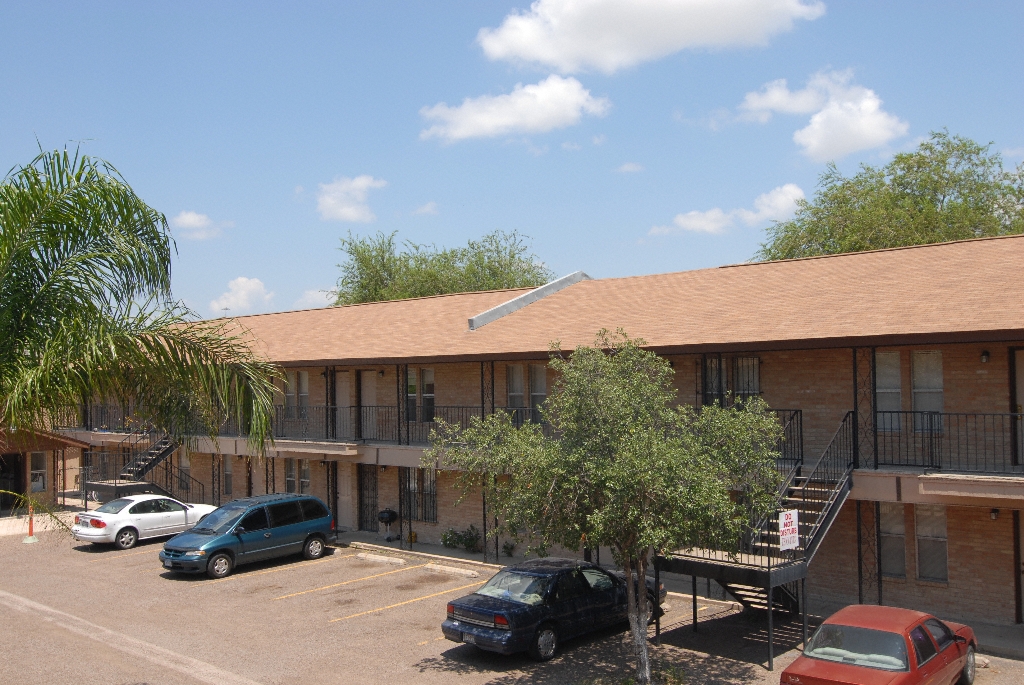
x=517 y=303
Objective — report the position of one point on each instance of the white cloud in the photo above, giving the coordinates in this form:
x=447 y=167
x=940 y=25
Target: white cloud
x=608 y=35
x=777 y=204
x=429 y=208
x=846 y=117
x=196 y=226
x=555 y=102
x=344 y=199
x=1013 y=152
x=243 y=295
x=572 y=147
x=314 y=299
x=599 y=139
x=630 y=168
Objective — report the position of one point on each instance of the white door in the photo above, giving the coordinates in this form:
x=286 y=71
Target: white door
x=1019 y=380
x=368 y=404
x=175 y=519
x=147 y=518
x=343 y=400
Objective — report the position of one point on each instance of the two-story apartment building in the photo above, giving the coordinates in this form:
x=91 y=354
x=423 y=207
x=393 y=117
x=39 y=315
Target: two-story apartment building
x=898 y=374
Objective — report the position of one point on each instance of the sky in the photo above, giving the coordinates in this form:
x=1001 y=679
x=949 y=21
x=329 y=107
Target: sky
x=622 y=137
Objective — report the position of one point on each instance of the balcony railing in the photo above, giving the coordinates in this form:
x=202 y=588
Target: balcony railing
x=971 y=443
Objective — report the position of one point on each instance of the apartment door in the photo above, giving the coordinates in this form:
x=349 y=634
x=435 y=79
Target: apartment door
x=12 y=478
x=345 y=427
x=368 y=497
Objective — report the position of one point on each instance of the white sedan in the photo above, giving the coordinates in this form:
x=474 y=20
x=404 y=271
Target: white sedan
x=126 y=520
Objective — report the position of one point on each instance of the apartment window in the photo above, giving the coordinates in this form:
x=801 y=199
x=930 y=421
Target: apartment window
x=38 y=474
x=227 y=473
x=427 y=399
x=296 y=394
x=893 y=539
x=515 y=386
x=304 y=476
x=411 y=391
x=930 y=526
x=714 y=380
x=888 y=390
x=419 y=493
x=538 y=389
x=927 y=376
x=746 y=372
x=289 y=475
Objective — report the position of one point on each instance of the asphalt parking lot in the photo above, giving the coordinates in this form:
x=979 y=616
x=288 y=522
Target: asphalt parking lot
x=75 y=613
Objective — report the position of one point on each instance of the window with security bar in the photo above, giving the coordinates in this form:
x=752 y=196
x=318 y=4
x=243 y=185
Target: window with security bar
x=289 y=475
x=893 y=542
x=419 y=493
x=746 y=377
x=722 y=387
x=227 y=471
x=304 y=476
x=932 y=560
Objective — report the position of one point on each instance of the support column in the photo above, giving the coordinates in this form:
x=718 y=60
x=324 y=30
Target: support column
x=693 y=590
x=803 y=608
x=771 y=630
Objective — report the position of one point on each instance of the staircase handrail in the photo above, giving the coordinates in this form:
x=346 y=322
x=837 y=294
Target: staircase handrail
x=843 y=471
x=173 y=477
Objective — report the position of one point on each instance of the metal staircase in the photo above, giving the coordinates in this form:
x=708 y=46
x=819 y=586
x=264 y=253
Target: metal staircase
x=148 y=459
x=141 y=463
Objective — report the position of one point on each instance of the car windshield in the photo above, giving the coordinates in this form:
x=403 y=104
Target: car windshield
x=522 y=588
x=114 y=506
x=859 y=647
x=219 y=521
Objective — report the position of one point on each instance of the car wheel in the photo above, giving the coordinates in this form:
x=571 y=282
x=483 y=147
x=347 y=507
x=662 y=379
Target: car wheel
x=967 y=674
x=545 y=643
x=126 y=538
x=219 y=566
x=314 y=548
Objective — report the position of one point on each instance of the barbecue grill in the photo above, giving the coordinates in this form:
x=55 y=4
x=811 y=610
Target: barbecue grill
x=387 y=517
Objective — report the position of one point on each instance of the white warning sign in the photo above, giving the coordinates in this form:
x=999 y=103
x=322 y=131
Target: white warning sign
x=789 y=530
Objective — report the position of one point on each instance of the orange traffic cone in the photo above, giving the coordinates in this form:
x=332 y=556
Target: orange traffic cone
x=31 y=537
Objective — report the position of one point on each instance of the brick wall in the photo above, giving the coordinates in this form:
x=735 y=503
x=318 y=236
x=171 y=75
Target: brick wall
x=980 y=562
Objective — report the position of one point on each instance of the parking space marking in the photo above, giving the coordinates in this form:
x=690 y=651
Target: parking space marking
x=286 y=567
x=122 y=556
x=408 y=601
x=192 y=668
x=346 y=582
x=427 y=642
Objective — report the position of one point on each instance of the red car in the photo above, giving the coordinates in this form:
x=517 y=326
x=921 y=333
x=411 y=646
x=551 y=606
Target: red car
x=876 y=645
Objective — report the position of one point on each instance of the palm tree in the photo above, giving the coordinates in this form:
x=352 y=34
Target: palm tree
x=86 y=311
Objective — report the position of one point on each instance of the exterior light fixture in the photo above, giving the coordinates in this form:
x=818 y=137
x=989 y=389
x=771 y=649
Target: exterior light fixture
x=383 y=469
x=381 y=372
x=994 y=514
x=985 y=356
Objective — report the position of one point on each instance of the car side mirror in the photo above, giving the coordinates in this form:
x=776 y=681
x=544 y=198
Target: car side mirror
x=239 y=530
x=960 y=639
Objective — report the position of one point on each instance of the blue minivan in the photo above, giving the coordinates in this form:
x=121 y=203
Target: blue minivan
x=248 y=530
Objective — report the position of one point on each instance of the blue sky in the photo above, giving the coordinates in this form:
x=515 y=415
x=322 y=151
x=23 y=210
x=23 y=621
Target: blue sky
x=623 y=137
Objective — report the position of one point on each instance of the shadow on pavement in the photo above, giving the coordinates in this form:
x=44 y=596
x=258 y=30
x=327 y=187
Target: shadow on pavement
x=730 y=648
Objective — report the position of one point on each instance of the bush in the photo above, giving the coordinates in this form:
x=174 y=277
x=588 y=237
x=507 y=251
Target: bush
x=469 y=539
x=451 y=539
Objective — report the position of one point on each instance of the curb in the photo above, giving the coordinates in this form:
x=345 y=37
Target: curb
x=422 y=555
x=706 y=600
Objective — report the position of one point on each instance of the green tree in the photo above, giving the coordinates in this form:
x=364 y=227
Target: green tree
x=375 y=270
x=86 y=311
x=628 y=469
x=949 y=188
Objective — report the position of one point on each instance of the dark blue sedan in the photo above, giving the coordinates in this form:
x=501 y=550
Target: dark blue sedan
x=534 y=606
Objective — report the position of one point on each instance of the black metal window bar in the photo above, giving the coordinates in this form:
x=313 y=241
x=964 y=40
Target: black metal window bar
x=729 y=380
x=418 y=493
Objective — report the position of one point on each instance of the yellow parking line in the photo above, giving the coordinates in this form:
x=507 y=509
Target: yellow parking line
x=288 y=567
x=408 y=601
x=346 y=582
x=122 y=556
x=427 y=642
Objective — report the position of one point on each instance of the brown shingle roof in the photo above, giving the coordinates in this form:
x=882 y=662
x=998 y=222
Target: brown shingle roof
x=967 y=290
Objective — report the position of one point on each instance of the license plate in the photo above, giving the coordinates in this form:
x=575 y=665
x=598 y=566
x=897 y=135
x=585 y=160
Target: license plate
x=169 y=564
x=469 y=638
